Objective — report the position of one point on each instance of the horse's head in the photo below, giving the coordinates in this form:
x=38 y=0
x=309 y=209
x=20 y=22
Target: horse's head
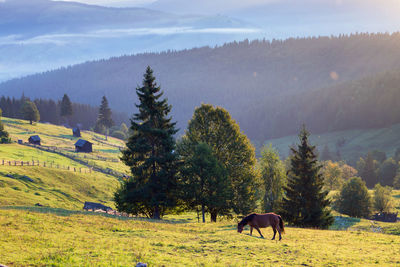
x=240 y=227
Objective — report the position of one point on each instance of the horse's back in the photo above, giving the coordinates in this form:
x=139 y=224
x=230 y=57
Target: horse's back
x=266 y=219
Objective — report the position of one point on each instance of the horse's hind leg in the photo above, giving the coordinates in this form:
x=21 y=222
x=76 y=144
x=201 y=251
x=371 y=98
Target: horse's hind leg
x=273 y=228
x=279 y=231
x=258 y=229
x=251 y=230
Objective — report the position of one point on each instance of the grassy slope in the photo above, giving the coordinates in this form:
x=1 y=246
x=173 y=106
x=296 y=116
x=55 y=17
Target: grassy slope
x=53 y=187
x=79 y=240
x=358 y=142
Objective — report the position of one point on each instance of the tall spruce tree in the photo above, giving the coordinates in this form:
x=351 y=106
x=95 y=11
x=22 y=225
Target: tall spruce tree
x=305 y=203
x=104 y=120
x=66 y=107
x=150 y=155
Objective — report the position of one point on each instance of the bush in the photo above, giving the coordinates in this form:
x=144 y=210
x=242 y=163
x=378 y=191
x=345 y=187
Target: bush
x=382 y=198
x=354 y=199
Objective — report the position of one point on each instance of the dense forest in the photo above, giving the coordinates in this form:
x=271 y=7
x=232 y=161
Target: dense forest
x=269 y=87
x=83 y=115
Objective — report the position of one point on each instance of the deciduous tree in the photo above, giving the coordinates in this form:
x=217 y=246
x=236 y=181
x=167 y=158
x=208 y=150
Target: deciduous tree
x=30 y=112
x=215 y=127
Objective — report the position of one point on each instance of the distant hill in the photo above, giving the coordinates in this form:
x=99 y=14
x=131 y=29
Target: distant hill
x=38 y=35
x=270 y=88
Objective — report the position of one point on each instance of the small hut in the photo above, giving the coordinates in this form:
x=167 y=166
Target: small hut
x=83 y=146
x=76 y=132
x=34 y=140
x=96 y=206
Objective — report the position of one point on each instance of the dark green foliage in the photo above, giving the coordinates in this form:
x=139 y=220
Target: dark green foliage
x=368 y=170
x=150 y=155
x=4 y=137
x=387 y=171
x=205 y=181
x=305 y=203
x=354 y=199
x=30 y=112
x=215 y=127
x=66 y=107
x=104 y=119
x=262 y=83
x=273 y=177
x=49 y=110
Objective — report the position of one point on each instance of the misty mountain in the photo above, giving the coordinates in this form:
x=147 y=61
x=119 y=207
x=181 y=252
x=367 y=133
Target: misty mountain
x=270 y=88
x=38 y=35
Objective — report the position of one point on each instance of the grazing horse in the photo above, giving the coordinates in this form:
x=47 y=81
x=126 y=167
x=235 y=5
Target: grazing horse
x=258 y=221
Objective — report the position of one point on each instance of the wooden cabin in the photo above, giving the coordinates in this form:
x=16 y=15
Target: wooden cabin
x=83 y=146
x=34 y=140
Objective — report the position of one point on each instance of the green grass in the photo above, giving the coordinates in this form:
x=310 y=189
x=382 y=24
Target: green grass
x=57 y=238
x=54 y=188
x=358 y=142
x=61 y=234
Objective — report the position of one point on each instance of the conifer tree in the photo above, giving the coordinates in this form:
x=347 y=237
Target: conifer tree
x=66 y=107
x=150 y=155
x=305 y=203
x=104 y=119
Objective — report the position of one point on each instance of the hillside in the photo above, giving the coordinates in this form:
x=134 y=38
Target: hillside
x=354 y=143
x=60 y=177
x=57 y=237
x=270 y=88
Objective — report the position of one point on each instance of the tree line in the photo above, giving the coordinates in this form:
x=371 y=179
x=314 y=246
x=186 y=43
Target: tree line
x=60 y=112
x=345 y=82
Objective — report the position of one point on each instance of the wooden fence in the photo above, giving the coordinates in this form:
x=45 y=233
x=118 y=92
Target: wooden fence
x=44 y=164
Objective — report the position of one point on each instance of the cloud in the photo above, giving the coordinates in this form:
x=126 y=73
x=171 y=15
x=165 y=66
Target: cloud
x=63 y=39
x=112 y=3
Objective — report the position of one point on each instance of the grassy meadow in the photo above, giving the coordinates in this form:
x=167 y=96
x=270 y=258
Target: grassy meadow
x=43 y=237
x=61 y=234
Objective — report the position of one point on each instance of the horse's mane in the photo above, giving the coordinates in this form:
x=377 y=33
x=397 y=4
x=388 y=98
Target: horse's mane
x=247 y=219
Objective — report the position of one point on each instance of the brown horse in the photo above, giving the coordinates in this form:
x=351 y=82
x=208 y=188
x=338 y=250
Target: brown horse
x=258 y=221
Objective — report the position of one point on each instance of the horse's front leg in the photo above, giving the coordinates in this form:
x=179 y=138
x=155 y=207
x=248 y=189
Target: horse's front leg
x=258 y=229
x=274 y=233
x=251 y=230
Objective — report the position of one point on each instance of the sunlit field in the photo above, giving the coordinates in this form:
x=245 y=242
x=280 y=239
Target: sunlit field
x=59 y=238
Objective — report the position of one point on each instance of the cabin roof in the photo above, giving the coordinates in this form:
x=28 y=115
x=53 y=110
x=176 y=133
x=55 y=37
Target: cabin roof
x=35 y=138
x=81 y=143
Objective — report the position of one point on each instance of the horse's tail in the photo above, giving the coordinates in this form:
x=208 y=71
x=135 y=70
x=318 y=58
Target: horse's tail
x=281 y=224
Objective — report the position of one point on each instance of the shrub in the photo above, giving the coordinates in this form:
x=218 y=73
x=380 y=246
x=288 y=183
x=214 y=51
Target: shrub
x=354 y=199
x=382 y=198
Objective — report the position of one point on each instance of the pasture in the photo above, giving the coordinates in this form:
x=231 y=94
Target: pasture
x=44 y=237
